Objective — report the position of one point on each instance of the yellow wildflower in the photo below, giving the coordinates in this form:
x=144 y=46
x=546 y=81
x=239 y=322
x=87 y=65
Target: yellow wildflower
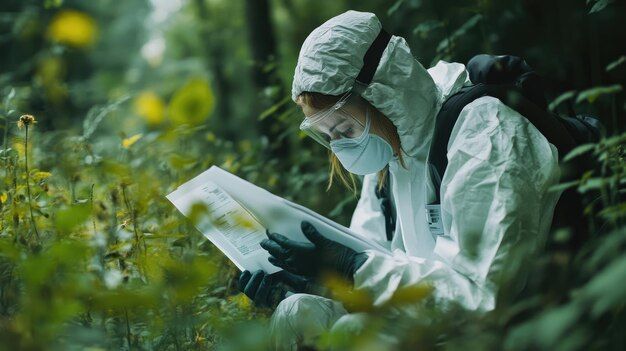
x=73 y=28
x=150 y=106
x=39 y=176
x=192 y=103
x=25 y=121
x=410 y=295
x=341 y=289
x=210 y=137
x=50 y=70
x=128 y=142
x=242 y=301
x=18 y=145
x=245 y=146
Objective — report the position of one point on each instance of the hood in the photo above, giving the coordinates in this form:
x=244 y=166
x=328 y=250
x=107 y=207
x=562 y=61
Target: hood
x=402 y=89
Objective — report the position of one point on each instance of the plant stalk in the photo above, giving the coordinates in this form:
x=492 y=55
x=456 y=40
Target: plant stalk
x=30 y=205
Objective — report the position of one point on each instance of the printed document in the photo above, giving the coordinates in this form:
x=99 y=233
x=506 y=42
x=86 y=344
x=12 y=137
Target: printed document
x=234 y=215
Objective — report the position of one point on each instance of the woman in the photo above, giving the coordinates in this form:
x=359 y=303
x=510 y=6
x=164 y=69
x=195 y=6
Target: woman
x=377 y=114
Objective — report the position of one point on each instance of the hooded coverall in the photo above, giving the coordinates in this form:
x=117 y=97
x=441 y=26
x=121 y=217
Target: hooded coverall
x=494 y=192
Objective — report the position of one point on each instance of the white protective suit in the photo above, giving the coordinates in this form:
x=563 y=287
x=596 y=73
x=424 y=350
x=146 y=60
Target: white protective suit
x=493 y=193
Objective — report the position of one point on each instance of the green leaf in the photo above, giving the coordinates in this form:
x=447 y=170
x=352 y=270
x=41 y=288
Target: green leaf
x=592 y=94
x=179 y=162
x=424 y=28
x=613 y=141
x=561 y=98
x=614 y=213
x=182 y=242
x=394 y=7
x=96 y=114
x=606 y=290
x=7 y=100
x=579 y=150
x=339 y=208
x=72 y=216
x=546 y=330
x=563 y=186
x=473 y=21
x=272 y=109
x=599 y=5
x=613 y=65
x=8 y=152
x=593 y=183
x=608 y=249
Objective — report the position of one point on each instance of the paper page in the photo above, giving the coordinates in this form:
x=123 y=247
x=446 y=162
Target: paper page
x=339 y=227
x=231 y=220
x=270 y=211
x=227 y=224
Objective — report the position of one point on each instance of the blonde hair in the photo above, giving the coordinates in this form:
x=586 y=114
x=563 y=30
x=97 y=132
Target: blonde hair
x=380 y=123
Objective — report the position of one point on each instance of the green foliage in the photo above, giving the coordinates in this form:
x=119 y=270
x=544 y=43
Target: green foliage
x=447 y=45
x=615 y=64
x=598 y=5
x=70 y=217
x=592 y=94
x=141 y=100
x=568 y=95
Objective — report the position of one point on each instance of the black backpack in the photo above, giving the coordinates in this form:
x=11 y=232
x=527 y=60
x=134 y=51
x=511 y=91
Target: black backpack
x=510 y=79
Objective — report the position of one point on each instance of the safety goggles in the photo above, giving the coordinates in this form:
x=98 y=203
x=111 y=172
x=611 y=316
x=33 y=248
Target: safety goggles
x=344 y=120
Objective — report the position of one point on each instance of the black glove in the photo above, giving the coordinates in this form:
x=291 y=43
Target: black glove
x=311 y=259
x=267 y=290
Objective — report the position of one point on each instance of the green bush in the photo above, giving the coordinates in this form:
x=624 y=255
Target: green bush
x=92 y=255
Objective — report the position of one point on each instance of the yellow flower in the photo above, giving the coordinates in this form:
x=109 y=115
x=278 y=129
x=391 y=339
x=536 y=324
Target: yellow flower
x=150 y=106
x=26 y=120
x=273 y=180
x=39 y=176
x=410 y=295
x=73 y=28
x=245 y=146
x=128 y=142
x=357 y=300
x=51 y=70
x=18 y=145
x=192 y=103
x=210 y=137
x=242 y=301
x=3 y=198
x=229 y=163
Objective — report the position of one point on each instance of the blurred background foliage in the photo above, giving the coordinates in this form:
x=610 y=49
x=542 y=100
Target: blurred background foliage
x=132 y=98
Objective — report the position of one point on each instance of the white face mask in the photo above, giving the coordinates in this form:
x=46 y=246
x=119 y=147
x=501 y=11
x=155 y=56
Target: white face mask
x=366 y=154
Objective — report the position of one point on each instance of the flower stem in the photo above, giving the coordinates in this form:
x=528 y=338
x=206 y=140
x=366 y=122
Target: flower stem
x=5 y=142
x=30 y=206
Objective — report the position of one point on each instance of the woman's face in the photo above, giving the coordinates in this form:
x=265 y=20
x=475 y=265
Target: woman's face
x=348 y=123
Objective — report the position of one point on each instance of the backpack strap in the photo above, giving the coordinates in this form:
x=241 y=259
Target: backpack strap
x=386 y=206
x=549 y=125
x=445 y=121
x=513 y=81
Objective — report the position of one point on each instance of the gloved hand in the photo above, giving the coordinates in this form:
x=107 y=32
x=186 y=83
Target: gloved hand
x=311 y=259
x=267 y=290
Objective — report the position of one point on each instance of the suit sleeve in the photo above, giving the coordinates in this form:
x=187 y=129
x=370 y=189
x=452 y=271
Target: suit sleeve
x=494 y=197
